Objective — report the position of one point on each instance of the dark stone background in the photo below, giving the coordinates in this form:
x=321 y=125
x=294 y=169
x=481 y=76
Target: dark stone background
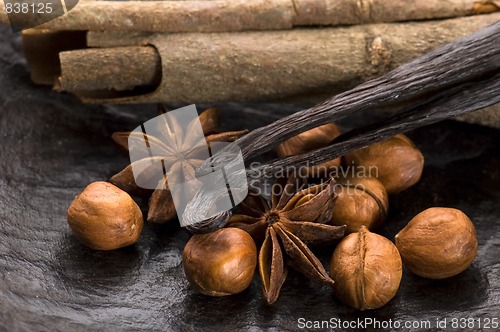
x=52 y=146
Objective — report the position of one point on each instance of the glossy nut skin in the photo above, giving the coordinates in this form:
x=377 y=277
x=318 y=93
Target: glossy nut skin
x=438 y=243
x=367 y=270
x=104 y=217
x=220 y=263
x=359 y=202
x=310 y=140
x=398 y=161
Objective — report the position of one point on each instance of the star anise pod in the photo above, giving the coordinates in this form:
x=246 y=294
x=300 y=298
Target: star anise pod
x=182 y=155
x=293 y=219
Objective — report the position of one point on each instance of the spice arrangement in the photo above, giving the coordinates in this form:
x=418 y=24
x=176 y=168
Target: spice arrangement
x=286 y=223
x=339 y=244
x=268 y=234
x=174 y=51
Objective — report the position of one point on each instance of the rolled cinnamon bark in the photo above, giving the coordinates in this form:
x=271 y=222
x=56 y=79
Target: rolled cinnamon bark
x=42 y=47
x=118 y=69
x=214 y=67
x=170 y=16
x=240 y=15
x=341 y=12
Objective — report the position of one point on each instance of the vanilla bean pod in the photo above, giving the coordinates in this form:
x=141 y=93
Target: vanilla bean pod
x=465 y=98
x=459 y=77
x=443 y=69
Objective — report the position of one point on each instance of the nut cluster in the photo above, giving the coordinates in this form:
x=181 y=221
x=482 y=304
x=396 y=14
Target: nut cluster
x=437 y=243
x=365 y=269
x=371 y=174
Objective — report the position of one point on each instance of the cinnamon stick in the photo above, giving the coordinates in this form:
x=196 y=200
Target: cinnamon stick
x=239 y=15
x=42 y=47
x=119 y=68
x=214 y=67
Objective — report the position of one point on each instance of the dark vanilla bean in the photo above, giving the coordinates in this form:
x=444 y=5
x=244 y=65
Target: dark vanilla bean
x=454 y=79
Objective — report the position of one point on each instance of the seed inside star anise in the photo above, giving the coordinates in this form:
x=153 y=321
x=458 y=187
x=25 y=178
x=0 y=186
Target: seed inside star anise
x=293 y=219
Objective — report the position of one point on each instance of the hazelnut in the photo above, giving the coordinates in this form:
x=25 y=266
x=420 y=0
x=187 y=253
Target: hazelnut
x=311 y=140
x=220 y=263
x=438 y=243
x=104 y=217
x=367 y=270
x=396 y=162
x=360 y=202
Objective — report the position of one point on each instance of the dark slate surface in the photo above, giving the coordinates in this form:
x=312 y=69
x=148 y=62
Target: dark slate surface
x=51 y=147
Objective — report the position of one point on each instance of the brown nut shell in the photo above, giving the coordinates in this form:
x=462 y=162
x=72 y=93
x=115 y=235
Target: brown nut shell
x=360 y=202
x=398 y=163
x=104 y=217
x=367 y=270
x=438 y=243
x=311 y=140
x=220 y=263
